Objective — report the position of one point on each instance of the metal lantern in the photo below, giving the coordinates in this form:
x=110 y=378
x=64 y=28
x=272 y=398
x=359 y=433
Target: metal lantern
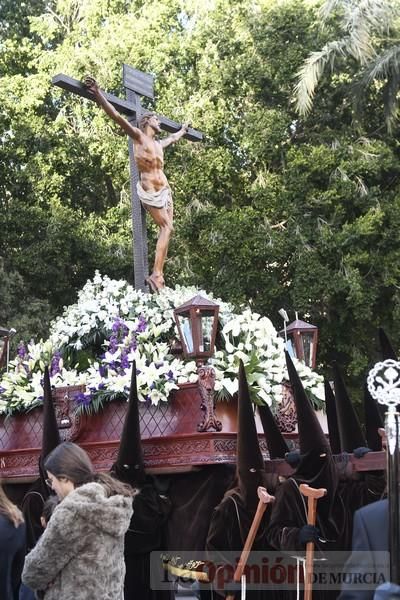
x=301 y=341
x=3 y=345
x=197 y=322
x=5 y=336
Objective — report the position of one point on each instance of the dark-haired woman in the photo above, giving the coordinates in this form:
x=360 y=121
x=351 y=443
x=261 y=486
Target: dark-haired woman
x=12 y=548
x=80 y=555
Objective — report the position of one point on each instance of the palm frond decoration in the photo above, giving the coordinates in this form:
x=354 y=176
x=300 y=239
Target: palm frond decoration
x=363 y=23
x=390 y=99
x=328 y=8
x=311 y=72
x=384 y=67
x=361 y=186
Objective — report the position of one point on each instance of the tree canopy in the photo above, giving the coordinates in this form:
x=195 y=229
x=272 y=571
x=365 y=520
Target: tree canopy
x=272 y=209
x=369 y=37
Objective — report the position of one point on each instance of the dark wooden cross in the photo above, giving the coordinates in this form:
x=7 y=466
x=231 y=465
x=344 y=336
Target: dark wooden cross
x=136 y=84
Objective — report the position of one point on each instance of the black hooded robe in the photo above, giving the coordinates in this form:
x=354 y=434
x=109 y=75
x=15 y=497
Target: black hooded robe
x=289 y=515
x=150 y=512
x=230 y=524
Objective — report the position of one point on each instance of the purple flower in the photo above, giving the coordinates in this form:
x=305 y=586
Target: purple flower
x=124 y=361
x=55 y=364
x=113 y=345
x=82 y=399
x=170 y=375
x=116 y=325
x=119 y=328
x=101 y=386
x=102 y=371
x=21 y=351
x=142 y=325
x=2 y=389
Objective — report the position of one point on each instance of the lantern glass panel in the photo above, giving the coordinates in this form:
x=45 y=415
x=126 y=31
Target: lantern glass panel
x=184 y=323
x=308 y=347
x=291 y=348
x=207 y=321
x=2 y=350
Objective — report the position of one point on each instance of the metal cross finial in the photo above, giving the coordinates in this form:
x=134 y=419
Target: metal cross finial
x=384 y=386
x=384 y=382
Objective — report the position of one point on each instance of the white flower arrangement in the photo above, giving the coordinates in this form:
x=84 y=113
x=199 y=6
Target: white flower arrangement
x=96 y=339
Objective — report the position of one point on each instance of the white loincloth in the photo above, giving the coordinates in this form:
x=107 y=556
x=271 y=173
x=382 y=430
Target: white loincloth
x=160 y=199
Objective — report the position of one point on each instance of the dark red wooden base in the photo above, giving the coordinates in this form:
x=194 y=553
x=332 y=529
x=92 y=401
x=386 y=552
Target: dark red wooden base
x=170 y=440
x=169 y=434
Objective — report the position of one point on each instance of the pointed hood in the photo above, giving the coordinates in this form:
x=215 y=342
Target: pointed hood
x=387 y=349
x=350 y=432
x=276 y=443
x=38 y=492
x=249 y=461
x=373 y=421
x=129 y=466
x=330 y=405
x=50 y=435
x=311 y=436
x=316 y=467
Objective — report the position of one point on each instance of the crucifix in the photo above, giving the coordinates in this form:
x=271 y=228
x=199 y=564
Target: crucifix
x=137 y=84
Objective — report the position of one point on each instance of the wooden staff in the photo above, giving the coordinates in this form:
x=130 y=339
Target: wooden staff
x=263 y=499
x=312 y=495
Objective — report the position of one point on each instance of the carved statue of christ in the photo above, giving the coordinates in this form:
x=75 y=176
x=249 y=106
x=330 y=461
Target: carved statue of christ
x=153 y=188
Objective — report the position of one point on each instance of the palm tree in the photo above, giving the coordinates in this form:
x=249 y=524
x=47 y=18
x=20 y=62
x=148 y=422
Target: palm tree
x=371 y=37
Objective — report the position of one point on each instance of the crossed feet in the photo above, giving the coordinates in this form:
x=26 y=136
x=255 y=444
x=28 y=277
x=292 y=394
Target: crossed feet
x=155 y=282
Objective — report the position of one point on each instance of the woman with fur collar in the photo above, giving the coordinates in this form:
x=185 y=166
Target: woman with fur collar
x=81 y=553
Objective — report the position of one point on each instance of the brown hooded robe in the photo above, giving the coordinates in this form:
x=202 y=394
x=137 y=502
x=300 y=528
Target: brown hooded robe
x=232 y=518
x=318 y=470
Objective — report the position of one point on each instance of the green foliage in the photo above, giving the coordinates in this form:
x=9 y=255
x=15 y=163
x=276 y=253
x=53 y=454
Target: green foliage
x=27 y=313
x=368 y=36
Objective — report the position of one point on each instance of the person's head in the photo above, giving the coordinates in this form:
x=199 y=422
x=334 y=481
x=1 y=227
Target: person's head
x=48 y=508
x=68 y=466
x=9 y=510
x=150 y=119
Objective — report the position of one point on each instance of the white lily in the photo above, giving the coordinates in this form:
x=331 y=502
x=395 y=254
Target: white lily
x=102 y=300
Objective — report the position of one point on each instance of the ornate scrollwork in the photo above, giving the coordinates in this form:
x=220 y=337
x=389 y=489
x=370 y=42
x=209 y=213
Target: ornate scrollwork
x=384 y=382
x=68 y=421
x=206 y=387
x=384 y=385
x=286 y=416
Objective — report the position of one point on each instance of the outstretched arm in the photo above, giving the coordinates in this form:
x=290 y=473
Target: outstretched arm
x=92 y=86
x=171 y=139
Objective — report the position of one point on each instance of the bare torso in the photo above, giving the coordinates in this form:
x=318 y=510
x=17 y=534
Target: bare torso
x=149 y=157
